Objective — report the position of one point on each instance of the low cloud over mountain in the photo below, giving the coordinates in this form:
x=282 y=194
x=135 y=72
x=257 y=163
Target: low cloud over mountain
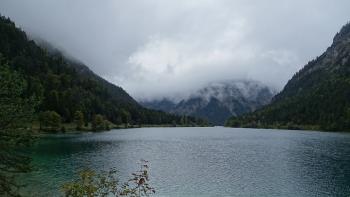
x=171 y=48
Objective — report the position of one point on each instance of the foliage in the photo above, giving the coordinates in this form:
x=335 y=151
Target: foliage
x=79 y=119
x=91 y=184
x=98 y=123
x=126 y=118
x=16 y=111
x=50 y=121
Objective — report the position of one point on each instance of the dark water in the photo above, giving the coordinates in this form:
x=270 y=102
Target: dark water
x=204 y=161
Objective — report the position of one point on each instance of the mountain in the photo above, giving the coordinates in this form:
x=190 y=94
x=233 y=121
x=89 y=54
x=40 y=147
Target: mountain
x=317 y=97
x=65 y=86
x=218 y=101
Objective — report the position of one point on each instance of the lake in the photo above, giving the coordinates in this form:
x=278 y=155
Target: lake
x=213 y=161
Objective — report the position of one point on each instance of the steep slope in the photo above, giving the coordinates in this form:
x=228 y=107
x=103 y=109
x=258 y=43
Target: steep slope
x=218 y=101
x=65 y=86
x=317 y=97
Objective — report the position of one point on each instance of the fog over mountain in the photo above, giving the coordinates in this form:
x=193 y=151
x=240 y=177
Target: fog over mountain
x=156 y=48
x=217 y=101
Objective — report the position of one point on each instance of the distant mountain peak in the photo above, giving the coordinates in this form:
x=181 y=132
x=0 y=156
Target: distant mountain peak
x=218 y=100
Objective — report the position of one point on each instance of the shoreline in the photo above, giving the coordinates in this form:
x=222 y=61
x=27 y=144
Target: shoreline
x=40 y=133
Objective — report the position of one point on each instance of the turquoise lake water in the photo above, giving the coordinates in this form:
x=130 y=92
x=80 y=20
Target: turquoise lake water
x=213 y=161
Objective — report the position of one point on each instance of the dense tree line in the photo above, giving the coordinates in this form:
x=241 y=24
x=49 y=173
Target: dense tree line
x=66 y=87
x=325 y=108
x=16 y=111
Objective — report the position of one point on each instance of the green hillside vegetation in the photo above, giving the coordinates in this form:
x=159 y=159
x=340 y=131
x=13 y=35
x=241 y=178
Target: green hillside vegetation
x=317 y=97
x=70 y=93
x=15 y=110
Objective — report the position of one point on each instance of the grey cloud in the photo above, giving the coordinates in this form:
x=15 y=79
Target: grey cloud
x=156 y=48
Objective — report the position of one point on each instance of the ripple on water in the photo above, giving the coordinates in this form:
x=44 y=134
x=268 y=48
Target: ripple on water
x=204 y=161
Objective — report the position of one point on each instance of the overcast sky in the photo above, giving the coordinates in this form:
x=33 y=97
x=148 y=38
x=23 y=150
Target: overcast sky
x=155 y=48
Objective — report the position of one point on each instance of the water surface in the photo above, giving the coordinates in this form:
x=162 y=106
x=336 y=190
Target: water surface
x=203 y=161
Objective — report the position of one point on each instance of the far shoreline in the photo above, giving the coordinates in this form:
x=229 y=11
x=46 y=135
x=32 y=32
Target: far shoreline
x=41 y=133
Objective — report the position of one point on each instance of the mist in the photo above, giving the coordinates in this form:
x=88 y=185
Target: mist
x=158 y=48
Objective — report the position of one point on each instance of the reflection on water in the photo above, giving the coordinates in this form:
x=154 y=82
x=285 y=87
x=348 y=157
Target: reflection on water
x=204 y=161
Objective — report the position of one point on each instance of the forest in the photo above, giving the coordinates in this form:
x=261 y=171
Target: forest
x=67 y=91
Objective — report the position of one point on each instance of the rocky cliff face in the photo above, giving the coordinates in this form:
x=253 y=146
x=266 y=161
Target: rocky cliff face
x=218 y=101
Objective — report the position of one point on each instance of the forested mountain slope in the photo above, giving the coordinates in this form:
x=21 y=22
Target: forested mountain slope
x=317 y=97
x=67 y=86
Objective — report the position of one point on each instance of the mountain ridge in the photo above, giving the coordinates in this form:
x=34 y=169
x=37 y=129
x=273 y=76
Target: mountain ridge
x=218 y=100
x=316 y=97
x=66 y=86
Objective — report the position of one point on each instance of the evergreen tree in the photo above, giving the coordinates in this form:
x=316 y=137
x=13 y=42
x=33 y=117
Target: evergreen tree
x=50 y=120
x=79 y=119
x=15 y=118
x=126 y=118
x=98 y=123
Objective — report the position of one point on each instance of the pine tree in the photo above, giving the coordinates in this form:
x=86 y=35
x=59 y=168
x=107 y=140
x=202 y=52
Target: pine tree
x=15 y=118
x=79 y=119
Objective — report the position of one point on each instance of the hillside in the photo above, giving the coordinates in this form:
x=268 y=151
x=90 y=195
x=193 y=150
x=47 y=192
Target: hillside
x=317 y=97
x=218 y=101
x=67 y=86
